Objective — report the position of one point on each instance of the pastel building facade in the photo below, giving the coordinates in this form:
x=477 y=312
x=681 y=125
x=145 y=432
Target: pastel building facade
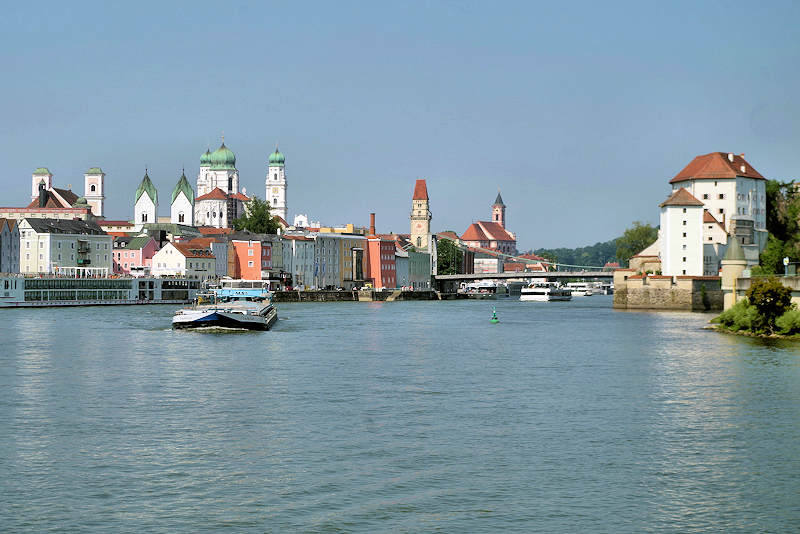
x=382 y=270
x=176 y=259
x=56 y=246
x=9 y=246
x=135 y=257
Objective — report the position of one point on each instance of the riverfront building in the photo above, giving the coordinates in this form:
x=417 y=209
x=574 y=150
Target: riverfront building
x=9 y=246
x=64 y=247
x=183 y=260
x=135 y=255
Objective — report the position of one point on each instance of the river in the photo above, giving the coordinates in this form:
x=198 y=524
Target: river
x=396 y=417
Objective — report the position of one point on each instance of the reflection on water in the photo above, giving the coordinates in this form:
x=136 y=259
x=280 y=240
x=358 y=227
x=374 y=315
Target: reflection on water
x=400 y=416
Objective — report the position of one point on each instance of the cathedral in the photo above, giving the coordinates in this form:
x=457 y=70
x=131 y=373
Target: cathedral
x=218 y=201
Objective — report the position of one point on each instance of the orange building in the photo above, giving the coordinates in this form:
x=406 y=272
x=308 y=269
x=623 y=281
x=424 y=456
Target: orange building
x=249 y=259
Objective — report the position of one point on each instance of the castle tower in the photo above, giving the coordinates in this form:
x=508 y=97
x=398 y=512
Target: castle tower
x=182 y=205
x=145 y=205
x=733 y=263
x=499 y=211
x=420 y=217
x=275 y=191
x=94 y=190
x=42 y=174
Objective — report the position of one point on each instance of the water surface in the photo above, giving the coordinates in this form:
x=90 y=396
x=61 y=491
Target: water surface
x=396 y=417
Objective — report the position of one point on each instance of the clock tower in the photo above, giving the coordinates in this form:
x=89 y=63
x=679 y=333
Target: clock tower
x=276 y=184
x=420 y=217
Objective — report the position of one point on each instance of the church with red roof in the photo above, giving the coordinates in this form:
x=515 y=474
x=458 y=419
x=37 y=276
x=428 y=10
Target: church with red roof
x=492 y=235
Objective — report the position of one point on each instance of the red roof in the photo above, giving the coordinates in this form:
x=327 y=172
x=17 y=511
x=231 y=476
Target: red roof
x=211 y=230
x=420 y=190
x=52 y=202
x=532 y=257
x=487 y=231
x=717 y=165
x=448 y=235
x=298 y=238
x=681 y=197
x=215 y=194
x=119 y=234
x=193 y=252
x=240 y=196
x=283 y=223
x=202 y=242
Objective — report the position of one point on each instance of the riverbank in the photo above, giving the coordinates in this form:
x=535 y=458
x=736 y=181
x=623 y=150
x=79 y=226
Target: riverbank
x=746 y=333
x=364 y=295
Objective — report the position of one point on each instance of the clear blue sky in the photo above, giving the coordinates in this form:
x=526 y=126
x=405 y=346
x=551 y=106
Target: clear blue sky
x=579 y=113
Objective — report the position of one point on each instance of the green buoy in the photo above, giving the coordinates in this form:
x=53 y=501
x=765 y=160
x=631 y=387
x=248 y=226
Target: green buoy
x=494 y=319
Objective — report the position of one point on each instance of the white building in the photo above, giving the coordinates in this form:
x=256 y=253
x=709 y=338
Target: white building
x=184 y=260
x=62 y=246
x=94 y=190
x=275 y=191
x=218 y=170
x=145 y=207
x=9 y=246
x=218 y=208
x=682 y=235
x=730 y=188
x=182 y=205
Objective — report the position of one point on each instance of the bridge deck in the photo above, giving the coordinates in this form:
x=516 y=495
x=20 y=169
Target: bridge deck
x=593 y=275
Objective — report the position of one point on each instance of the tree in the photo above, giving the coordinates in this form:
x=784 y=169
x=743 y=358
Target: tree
x=634 y=240
x=257 y=218
x=449 y=257
x=771 y=299
x=783 y=225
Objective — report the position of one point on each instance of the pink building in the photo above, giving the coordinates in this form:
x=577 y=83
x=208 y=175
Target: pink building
x=135 y=257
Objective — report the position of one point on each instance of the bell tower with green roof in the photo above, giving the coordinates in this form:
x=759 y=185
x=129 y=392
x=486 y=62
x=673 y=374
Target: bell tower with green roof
x=145 y=207
x=94 y=190
x=182 y=203
x=275 y=193
x=41 y=174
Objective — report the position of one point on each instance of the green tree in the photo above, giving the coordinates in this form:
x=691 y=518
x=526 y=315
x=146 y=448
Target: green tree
x=771 y=299
x=449 y=257
x=257 y=218
x=634 y=240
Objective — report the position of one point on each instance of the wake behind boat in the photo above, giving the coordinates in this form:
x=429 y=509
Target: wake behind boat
x=241 y=309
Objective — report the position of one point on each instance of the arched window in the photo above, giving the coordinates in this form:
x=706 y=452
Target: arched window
x=230 y=184
x=208 y=215
x=419 y=241
x=92 y=188
x=276 y=175
x=144 y=217
x=214 y=214
x=180 y=217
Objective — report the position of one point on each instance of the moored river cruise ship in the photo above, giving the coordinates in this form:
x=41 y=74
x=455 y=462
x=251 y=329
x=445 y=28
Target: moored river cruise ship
x=17 y=291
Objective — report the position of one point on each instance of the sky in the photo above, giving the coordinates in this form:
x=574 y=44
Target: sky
x=579 y=112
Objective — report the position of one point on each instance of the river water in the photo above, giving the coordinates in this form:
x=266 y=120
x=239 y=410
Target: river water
x=396 y=417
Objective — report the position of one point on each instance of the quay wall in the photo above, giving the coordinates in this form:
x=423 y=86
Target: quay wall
x=688 y=293
x=364 y=295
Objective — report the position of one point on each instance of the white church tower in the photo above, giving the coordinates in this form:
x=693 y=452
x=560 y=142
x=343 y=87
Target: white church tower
x=94 y=190
x=275 y=194
x=182 y=206
x=42 y=174
x=145 y=205
x=203 y=179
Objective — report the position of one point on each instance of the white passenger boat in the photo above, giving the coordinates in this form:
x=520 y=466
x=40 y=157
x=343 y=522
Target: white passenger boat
x=243 y=309
x=581 y=289
x=544 y=292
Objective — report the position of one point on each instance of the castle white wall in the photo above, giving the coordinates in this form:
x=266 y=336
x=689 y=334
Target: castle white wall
x=682 y=240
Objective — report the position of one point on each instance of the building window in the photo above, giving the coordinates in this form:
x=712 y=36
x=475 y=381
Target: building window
x=705 y=196
x=721 y=210
x=250 y=252
x=710 y=239
x=684 y=210
x=684 y=234
x=92 y=188
x=180 y=217
x=144 y=217
x=684 y=223
x=721 y=196
x=684 y=271
x=684 y=258
x=249 y=263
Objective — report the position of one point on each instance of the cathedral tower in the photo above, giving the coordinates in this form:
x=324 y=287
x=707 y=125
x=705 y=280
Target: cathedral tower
x=145 y=207
x=94 y=190
x=182 y=206
x=420 y=217
x=42 y=174
x=275 y=194
x=499 y=211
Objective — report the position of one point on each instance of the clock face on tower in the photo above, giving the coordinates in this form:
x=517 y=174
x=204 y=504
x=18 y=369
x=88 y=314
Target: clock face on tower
x=274 y=190
x=419 y=226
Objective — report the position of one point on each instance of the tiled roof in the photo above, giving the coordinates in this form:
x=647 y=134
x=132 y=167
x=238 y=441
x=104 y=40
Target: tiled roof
x=708 y=218
x=420 y=190
x=214 y=194
x=494 y=231
x=64 y=226
x=532 y=257
x=193 y=252
x=211 y=230
x=202 y=242
x=681 y=197
x=240 y=196
x=67 y=195
x=51 y=201
x=474 y=233
x=717 y=165
x=138 y=242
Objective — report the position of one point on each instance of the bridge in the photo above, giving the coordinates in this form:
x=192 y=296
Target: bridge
x=550 y=275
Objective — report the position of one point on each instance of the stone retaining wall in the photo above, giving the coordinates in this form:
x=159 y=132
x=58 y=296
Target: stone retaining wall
x=638 y=292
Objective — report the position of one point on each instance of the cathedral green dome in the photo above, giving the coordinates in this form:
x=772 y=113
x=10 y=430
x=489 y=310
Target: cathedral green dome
x=95 y=170
x=276 y=158
x=223 y=158
x=42 y=170
x=205 y=159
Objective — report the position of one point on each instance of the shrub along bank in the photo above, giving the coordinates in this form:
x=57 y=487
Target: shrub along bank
x=767 y=310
